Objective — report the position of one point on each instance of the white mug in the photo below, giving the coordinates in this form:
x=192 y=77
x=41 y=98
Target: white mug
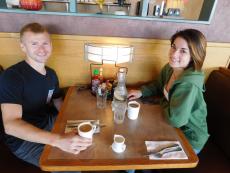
x=133 y=110
x=86 y=129
x=118 y=143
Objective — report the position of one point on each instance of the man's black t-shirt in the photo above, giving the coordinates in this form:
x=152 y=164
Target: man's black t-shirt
x=23 y=85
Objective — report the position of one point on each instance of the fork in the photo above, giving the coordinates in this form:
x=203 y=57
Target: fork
x=169 y=150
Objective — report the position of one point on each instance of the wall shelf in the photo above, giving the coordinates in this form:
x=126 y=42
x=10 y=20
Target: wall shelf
x=73 y=8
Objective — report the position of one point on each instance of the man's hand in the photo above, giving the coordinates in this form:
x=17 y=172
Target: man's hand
x=72 y=143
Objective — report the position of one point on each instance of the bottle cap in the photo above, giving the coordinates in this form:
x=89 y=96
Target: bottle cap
x=96 y=72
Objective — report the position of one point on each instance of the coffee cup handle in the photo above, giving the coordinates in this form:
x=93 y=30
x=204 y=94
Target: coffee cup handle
x=115 y=137
x=94 y=128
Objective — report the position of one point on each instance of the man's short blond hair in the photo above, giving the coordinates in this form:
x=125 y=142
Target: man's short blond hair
x=33 y=27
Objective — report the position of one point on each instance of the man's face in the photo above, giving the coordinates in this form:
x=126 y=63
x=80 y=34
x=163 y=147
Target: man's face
x=37 y=46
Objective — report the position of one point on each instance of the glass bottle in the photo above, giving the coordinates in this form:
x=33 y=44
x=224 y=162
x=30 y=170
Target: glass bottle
x=119 y=104
x=120 y=91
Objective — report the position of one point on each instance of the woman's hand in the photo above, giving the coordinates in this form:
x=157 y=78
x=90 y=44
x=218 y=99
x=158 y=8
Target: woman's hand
x=134 y=94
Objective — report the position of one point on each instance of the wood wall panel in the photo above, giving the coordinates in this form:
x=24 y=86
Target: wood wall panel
x=150 y=55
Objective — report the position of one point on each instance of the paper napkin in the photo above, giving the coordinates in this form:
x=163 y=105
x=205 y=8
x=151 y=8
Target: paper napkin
x=158 y=146
x=73 y=124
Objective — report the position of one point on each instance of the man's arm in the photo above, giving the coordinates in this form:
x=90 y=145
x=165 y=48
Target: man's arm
x=15 y=126
x=57 y=103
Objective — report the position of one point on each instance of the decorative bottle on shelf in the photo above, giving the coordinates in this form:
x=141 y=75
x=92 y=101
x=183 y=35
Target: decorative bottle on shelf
x=95 y=81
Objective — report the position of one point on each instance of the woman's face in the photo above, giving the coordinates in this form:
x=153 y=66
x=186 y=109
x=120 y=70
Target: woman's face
x=179 y=54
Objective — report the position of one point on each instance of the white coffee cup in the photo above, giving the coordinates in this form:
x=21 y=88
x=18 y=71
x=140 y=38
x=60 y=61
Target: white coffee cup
x=133 y=110
x=118 y=143
x=86 y=129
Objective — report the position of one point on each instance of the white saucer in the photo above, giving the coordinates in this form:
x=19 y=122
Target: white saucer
x=120 y=150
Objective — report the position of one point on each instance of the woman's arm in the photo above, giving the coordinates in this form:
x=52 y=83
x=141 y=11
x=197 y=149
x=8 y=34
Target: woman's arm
x=155 y=88
x=181 y=105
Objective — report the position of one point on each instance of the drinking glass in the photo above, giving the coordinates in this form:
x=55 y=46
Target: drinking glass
x=101 y=98
x=119 y=110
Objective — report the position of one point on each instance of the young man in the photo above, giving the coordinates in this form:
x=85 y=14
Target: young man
x=29 y=94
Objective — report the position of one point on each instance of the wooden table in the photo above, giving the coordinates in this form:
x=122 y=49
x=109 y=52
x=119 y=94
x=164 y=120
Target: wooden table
x=150 y=125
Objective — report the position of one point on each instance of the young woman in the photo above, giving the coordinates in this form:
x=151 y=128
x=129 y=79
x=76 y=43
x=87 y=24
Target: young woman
x=181 y=85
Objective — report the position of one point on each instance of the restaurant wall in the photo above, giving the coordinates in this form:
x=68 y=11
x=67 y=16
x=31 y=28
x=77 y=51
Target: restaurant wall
x=150 y=55
x=217 y=31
